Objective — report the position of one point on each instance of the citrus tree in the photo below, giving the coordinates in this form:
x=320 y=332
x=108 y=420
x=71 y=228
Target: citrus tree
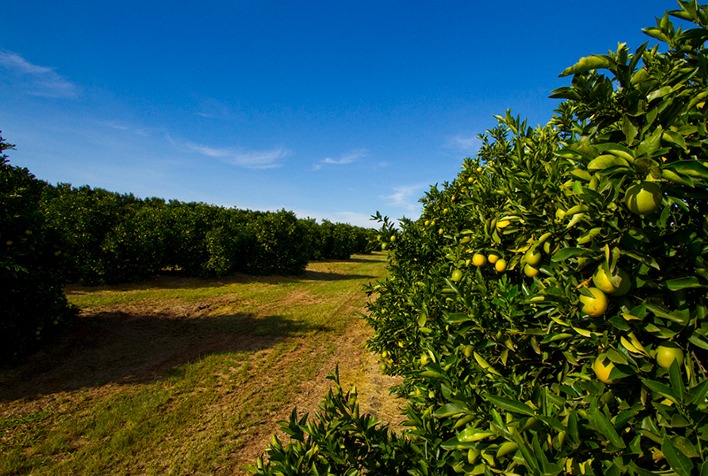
x=548 y=309
x=32 y=301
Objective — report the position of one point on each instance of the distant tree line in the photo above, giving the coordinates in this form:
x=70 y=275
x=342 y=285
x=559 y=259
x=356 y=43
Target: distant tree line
x=108 y=237
x=53 y=235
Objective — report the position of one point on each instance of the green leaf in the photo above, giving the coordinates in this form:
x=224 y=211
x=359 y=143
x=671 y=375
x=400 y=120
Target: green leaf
x=692 y=168
x=679 y=462
x=697 y=340
x=431 y=374
x=603 y=425
x=676 y=380
x=511 y=405
x=606 y=161
x=674 y=138
x=589 y=63
x=680 y=317
x=471 y=435
x=659 y=93
x=618 y=150
x=674 y=177
x=688 y=282
x=661 y=389
x=629 y=129
x=450 y=409
x=656 y=32
x=650 y=144
x=566 y=253
x=455 y=444
x=685 y=446
x=581 y=174
x=457 y=318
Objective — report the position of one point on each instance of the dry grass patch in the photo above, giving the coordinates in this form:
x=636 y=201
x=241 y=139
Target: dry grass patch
x=185 y=376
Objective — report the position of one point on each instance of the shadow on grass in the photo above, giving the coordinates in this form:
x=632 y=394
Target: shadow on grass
x=179 y=281
x=121 y=348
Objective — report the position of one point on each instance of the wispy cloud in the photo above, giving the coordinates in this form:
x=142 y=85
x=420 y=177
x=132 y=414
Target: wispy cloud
x=344 y=159
x=211 y=108
x=252 y=159
x=406 y=197
x=120 y=126
x=467 y=144
x=38 y=80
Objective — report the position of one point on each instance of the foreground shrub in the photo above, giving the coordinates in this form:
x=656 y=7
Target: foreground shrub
x=362 y=444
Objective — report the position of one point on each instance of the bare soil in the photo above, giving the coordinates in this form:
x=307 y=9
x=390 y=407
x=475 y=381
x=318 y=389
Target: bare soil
x=357 y=367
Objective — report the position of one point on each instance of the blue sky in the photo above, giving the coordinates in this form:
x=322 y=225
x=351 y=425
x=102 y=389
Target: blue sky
x=332 y=109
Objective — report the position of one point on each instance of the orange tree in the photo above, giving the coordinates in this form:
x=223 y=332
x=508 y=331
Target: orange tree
x=32 y=302
x=548 y=309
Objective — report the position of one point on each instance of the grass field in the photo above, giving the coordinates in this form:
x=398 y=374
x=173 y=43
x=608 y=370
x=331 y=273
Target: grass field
x=189 y=376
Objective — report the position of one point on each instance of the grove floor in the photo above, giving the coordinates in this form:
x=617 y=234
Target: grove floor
x=188 y=376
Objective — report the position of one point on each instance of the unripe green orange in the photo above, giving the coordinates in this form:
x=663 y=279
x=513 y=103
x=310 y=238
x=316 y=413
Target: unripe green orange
x=604 y=282
x=667 y=353
x=643 y=198
x=530 y=271
x=594 y=306
x=456 y=275
x=532 y=257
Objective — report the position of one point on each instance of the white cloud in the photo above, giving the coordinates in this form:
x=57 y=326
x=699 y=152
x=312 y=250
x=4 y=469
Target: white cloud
x=38 y=80
x=141 y=131
x=344 y=159
x=464 y=143
x=252 y=159
x=406 y=197
x=211 y=108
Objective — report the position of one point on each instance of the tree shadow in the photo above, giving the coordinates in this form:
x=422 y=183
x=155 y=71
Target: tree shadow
x=122 y=348
x=175 y=281
x=327 y=276
x=365 y=259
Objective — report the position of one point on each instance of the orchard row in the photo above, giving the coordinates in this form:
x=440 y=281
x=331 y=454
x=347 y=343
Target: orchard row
x=54 y=235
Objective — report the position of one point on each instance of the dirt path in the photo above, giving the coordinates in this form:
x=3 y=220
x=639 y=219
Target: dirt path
x=357 y=367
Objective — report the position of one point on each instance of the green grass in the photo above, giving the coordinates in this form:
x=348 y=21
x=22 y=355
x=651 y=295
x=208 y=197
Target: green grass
x=177 y=376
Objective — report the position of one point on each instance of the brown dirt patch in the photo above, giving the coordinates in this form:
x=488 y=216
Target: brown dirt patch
x=357 y=367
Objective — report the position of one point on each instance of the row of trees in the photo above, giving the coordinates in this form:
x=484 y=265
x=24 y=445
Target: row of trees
x=110 y=237
x=53 y=235
x=548 y=311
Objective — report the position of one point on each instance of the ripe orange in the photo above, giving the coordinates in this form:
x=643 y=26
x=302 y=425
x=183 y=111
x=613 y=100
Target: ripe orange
x=478 y=259
x=500 y=265
x=602 y=368
x=492 y=258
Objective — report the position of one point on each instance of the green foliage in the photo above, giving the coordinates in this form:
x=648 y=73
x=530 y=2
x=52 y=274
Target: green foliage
x=32 y=302
x=362 y=446
x=108 y=237
x=498 y=358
